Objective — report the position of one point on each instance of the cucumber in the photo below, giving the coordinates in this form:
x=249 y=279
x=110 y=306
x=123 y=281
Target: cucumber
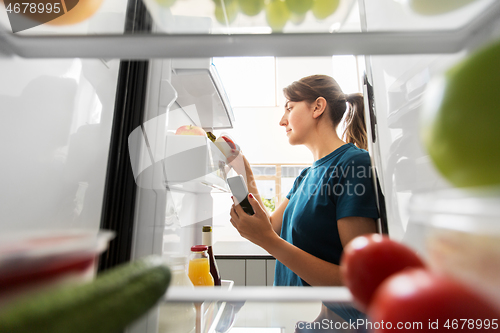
x=106 y=305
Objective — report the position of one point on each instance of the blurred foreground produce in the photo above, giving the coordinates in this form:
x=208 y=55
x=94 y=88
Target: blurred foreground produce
x=166 y=3
x=368 y=260
x=228 y=13
x=83 y=10
x=413 y=295
x=112 y=301
x=461 y=120
x=425 y=301
x=251 y=7
x=299 y=7
x=277 y=14
x=323 y=8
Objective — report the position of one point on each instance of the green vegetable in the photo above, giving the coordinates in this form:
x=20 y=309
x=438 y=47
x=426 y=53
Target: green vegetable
x=299 y=7
x=108 y=304
x=433 y=7
x=277 y=14
x=251 y=7
x=461 y=119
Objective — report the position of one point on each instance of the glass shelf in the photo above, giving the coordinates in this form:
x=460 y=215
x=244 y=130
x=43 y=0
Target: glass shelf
x=281 y=308
x=189 y=28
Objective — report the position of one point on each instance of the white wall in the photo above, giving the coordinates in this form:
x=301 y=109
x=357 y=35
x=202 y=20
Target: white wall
x=257 y=129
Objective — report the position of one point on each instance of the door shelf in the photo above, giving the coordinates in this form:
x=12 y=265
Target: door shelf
x=194 y=164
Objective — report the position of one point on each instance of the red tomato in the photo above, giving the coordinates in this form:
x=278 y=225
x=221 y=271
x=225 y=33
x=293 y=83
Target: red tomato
x=368 y=260
x=417 y=300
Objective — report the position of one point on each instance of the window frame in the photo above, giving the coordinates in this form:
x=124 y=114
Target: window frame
x=276 y=177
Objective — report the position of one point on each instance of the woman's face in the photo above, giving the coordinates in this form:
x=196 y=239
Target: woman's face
x=297 y=121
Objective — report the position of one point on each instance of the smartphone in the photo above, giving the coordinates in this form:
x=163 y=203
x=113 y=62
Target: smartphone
x=240 y=192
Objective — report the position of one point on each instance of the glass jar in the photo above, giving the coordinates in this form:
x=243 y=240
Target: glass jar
x=199 y=267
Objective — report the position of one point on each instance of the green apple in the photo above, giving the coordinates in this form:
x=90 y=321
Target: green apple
x=226 y=2
x=321 y=9
x=461 y=120
x=165 y=3
x=277 y=14
x=299 y=6
x=231 y=12
x=251 y=7
x=436 y=7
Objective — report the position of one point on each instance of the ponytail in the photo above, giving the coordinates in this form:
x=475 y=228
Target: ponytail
x=355 y=128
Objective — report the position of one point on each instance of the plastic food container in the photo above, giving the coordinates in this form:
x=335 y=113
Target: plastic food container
x=461 y=234
x=33 y=260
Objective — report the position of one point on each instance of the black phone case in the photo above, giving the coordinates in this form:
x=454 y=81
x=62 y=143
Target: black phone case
x=247 y=207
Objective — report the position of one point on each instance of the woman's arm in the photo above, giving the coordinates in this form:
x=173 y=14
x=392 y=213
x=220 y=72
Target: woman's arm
x=313 y=270
x=351 y=227
x=257 y=229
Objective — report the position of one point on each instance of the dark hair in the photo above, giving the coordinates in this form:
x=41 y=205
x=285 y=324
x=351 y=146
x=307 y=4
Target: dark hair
x=311 y=87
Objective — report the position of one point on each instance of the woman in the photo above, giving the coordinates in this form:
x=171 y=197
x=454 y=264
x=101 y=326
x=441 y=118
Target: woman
x=331 y=202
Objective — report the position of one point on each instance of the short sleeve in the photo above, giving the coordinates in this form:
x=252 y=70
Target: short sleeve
x=354 y=194
x=297 y=181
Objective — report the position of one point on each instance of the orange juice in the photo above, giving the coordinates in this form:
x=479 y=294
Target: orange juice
x=199 y=272
x=199 y=266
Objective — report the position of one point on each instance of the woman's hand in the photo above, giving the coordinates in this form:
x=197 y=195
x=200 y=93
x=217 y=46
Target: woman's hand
x=256 y=228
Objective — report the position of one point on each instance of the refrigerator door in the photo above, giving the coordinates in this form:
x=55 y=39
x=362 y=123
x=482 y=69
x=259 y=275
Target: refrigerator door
x=55 y=131
x=399 y=83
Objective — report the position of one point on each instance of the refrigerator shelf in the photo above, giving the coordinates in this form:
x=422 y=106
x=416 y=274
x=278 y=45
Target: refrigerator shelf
x=261 y=294
x=205 y=184
x=387 y=40
x=193 y=163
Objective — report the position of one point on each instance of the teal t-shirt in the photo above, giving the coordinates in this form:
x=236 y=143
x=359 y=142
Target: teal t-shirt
x=335 y=186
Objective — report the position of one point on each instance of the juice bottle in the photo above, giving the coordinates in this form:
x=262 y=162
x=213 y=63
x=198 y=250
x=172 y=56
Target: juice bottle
x=207 y=240
x=199 y=267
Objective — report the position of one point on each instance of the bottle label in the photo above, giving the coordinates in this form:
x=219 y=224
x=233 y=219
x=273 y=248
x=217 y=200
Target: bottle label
x=206 y=238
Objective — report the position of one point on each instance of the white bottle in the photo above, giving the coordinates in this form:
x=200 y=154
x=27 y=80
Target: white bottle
x=177 y=317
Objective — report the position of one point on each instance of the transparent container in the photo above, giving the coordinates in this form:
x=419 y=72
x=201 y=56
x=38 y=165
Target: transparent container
x=30 y=261
x=174 y=316
x=199 y=267
x=460 y=233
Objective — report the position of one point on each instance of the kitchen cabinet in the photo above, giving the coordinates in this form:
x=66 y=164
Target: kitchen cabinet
x=248 y=272
x=233 y=269
x=244 y=263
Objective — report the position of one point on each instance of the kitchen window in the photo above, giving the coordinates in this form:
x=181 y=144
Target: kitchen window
x=274 y=181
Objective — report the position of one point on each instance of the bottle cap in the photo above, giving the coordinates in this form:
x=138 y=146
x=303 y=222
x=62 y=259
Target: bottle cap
x=199 y=248
x=206 y=228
